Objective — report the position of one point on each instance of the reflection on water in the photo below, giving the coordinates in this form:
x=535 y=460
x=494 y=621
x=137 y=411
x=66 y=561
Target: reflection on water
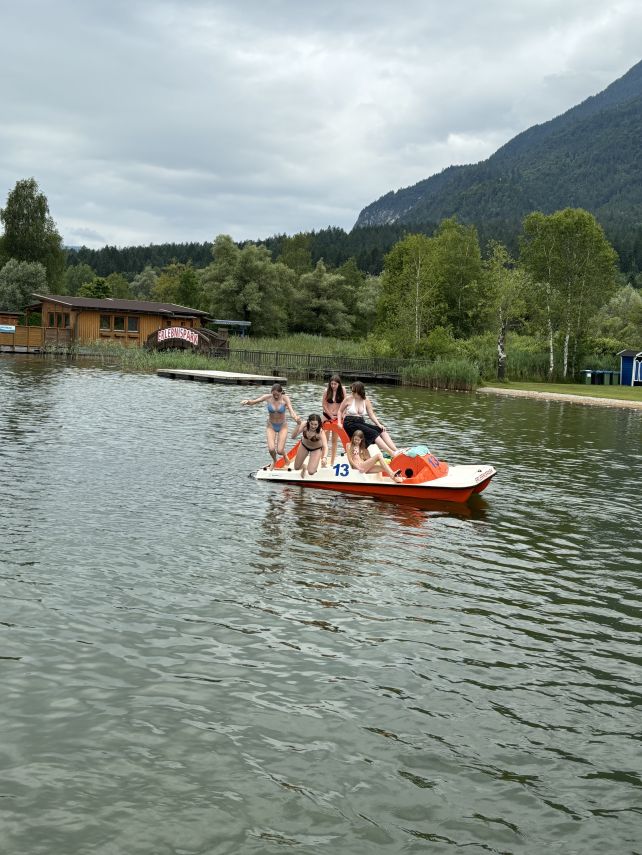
x=193 y=661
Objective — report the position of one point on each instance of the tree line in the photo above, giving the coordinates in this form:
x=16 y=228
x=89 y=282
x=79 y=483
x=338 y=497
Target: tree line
x=437 y=288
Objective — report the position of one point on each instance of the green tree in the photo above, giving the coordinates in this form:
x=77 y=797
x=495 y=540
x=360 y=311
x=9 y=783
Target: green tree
x=144 y=284
x=410 y=303
x=118 y=286
x=245 y=284
x=75 y=277
x=19 y=281
x=98 y=289
x=621 y=318
x=168 y=283
x=30 y=233
x=508 y=287
x=573 y=267
x=189 y=289
x=359 y=294
x=317 y=307
x=458 y=275
x=295 y=253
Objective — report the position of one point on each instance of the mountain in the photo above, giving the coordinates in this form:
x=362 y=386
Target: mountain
x=589 y=157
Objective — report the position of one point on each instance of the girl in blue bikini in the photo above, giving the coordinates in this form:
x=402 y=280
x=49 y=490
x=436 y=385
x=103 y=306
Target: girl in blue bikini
x=276 y=429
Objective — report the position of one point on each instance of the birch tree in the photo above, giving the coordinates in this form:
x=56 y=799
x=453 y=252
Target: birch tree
x=508 y=287
x=573 y=267
x=410 y=303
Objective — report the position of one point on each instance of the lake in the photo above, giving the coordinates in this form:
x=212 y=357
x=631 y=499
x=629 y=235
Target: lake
x=196 y=662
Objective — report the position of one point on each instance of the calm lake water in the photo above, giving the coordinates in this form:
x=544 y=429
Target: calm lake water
x=194 y=662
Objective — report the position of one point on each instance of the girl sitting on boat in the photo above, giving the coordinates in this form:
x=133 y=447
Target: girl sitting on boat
x=333 y=397
x=352 y=417
x=276 y=429
x=361 y=460
x=314 y=445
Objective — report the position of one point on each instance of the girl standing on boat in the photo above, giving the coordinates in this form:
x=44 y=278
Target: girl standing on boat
x=314 y=445
x=276 y=429
x=360 y=459
x=332 y=400
x=352 y=417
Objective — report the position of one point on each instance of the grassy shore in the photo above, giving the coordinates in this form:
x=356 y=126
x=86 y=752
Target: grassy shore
x=615 y=393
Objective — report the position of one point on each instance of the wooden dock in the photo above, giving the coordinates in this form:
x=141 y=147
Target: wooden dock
x=230 y=377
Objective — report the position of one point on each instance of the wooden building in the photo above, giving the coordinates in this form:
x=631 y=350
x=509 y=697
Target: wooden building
x=10 y=318
x=69 y=320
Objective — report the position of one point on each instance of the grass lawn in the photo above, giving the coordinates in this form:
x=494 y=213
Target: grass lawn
x=620 y=393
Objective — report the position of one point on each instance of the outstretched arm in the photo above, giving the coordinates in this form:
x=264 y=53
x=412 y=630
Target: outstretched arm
x=288 y=404
x=297 y=429
x=250 y=402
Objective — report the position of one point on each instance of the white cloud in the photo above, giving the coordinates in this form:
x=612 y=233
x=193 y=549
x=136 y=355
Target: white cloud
x=147 y=122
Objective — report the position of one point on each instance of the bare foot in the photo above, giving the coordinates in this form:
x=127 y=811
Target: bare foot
x=303 y=471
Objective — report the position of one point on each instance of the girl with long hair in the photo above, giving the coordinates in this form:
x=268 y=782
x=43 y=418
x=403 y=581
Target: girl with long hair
x=352 y=417
x=276 y=428
x=332 y=399
x=361 y=460
x=314 y=445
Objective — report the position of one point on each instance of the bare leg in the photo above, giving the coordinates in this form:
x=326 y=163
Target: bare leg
x=282 y=437
x=301 y=454
x=333 y=453
x=388 y=440
x=390 y=447
x=270 y=436
x=313 y=462
x=378 y=464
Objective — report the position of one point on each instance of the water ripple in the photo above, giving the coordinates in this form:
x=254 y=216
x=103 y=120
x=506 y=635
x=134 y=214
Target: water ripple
x=195 y=662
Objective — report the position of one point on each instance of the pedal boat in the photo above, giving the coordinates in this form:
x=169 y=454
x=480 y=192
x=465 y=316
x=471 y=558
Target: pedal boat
x=424 y=476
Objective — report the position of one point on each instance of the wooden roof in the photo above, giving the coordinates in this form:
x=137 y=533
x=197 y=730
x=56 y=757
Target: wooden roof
x=115 y=305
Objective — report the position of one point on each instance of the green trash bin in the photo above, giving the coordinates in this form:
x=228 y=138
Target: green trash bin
x=587 y=377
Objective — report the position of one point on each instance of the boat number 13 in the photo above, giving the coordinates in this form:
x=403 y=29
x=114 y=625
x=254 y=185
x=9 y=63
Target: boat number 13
x=341 y=469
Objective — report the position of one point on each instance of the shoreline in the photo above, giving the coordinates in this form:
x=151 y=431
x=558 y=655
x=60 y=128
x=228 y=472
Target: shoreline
x=558 y=396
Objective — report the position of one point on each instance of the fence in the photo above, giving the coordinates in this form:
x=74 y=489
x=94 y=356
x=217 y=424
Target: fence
x=312 y=365
x=22 y=339
x=34 y=339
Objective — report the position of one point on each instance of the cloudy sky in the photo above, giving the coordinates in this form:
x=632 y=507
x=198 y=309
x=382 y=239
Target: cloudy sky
x=146 y=122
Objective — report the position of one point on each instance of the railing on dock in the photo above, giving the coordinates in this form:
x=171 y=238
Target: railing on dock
x=379 y=369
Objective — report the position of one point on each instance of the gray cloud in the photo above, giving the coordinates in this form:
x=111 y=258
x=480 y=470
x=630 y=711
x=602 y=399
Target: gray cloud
x=149 y=122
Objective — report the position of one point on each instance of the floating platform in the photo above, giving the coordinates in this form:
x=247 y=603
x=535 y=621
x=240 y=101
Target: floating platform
x=230 y=377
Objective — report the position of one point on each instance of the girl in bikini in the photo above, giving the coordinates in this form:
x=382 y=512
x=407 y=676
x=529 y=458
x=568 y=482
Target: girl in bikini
x=314 y=445
x=332 y=400
x=360 y=459
x=352 y=417
x=276 y=429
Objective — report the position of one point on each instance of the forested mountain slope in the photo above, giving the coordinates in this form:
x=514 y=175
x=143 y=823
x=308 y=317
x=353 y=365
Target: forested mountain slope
x=589 y=157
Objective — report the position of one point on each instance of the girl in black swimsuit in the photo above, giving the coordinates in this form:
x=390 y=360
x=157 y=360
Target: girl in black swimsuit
x=314 y=445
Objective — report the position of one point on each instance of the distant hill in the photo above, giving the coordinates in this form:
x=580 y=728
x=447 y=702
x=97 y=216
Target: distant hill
x=589 y=157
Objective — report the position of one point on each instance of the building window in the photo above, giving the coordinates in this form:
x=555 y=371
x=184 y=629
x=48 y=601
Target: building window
x=52 y=319
x=132 y=324
x=119 y=323
x=105 y=322
x=66 y=317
